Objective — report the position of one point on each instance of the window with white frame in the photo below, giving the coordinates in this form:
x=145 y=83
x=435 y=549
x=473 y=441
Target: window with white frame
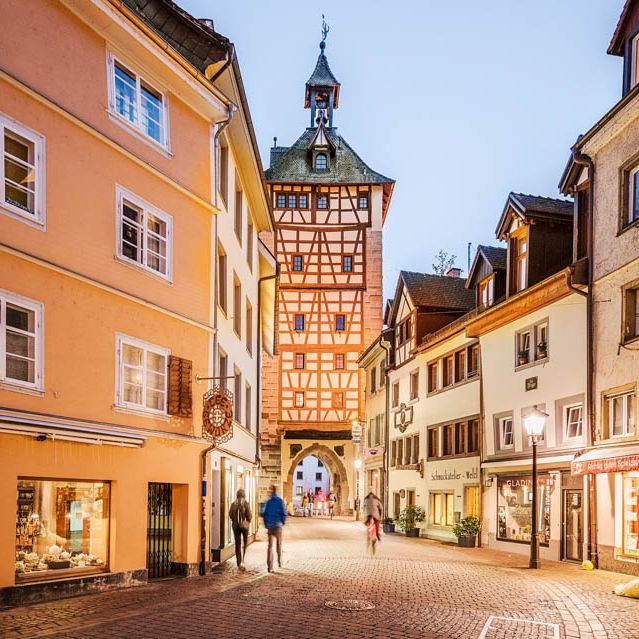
x=619 y=414
x=142 y=375
x=573 y=421
x=632 y=212
x=22 y=170
x=144 y=234
x=506 y=433
x=20 y=341
x=532 y=344
x=138 y=103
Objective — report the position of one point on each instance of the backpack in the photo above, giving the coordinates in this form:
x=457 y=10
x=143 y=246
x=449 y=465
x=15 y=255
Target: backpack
x=238 y=515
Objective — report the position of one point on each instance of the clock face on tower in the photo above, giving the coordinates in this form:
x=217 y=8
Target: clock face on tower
x=217 y=415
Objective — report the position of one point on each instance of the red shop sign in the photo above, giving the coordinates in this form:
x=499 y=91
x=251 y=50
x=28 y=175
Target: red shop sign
x=610 y=465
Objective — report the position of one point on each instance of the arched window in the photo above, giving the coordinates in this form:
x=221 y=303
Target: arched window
x=321 y=161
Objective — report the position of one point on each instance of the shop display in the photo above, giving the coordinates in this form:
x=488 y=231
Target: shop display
x=631 y=508
x=514 y=508
x=61 y=526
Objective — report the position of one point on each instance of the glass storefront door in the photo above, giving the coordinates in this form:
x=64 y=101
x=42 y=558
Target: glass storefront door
x=572 y=525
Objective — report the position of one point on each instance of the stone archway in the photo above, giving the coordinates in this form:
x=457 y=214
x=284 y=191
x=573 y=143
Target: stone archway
x=336 y=468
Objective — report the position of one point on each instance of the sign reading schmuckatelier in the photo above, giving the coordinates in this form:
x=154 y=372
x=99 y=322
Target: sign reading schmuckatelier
x=448 y=475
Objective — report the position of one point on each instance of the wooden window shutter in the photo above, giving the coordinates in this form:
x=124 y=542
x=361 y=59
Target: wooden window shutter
x=180 y=390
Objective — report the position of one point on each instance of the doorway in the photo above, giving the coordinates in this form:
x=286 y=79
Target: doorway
x=572 y=524
x=159 y=530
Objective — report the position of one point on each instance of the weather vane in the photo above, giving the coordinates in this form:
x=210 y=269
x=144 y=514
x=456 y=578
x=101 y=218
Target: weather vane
x=325 y=29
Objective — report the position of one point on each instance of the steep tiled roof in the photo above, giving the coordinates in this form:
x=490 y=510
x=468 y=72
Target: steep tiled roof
x=616 y=43
x=495 y=256
x=438 y=291
x=346 y=167
x=539 y=204
x=192 y=39
x=322 y=76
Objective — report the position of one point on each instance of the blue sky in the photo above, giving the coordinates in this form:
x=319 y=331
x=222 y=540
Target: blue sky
x=460 y=102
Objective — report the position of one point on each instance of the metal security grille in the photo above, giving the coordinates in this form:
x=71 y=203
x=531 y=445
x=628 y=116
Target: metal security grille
x=158 y=532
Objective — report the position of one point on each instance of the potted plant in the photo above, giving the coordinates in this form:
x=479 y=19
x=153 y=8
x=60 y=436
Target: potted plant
x=466 y=531
x=522 y=357
x=410 y=516
x=542 y=349
x=389 y=525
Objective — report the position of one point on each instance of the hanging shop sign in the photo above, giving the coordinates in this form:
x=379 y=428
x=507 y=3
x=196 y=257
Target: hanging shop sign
x=403 y=417
x=217 y=415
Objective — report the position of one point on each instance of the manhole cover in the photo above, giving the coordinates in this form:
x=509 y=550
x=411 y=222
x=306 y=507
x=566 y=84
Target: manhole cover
x=349 y=604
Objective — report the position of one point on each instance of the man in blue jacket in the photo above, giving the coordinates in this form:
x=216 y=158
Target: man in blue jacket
x=274 y=518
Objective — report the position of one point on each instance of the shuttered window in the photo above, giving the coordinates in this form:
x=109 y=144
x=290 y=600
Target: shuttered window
x=180 y=389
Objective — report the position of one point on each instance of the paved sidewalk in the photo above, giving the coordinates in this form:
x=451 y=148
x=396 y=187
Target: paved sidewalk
x=418 y=588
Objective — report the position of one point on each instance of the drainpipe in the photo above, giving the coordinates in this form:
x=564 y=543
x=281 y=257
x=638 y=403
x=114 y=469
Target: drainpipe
x=593 y=553
x=386 y=346
x=266 y=278
x=219 y=127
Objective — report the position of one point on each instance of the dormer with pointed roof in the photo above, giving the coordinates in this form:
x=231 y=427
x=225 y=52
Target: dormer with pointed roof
x=625 y=43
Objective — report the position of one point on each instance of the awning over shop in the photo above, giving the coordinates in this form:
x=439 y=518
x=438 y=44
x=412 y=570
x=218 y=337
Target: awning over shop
x=617 y=459
x=44 y=427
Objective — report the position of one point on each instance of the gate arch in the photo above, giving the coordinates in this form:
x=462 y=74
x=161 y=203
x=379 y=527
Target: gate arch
x=338 y=475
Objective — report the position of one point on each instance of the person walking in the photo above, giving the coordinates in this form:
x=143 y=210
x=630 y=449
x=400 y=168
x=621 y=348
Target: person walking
x=240 y=516
x=374 y=511
x=274 y=518
x=332 y=502
x=310 y=503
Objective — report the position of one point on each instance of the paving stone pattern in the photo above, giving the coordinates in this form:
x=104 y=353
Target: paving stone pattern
x=419 y=588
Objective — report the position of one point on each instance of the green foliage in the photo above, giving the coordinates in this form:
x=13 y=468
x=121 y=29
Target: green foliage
x=467 y=527
x=410 y=516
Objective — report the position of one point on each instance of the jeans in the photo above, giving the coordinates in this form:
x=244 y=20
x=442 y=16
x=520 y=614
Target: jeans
x=274 y=533
x=240 y=535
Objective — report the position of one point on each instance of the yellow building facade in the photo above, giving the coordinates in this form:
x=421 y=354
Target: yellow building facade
x=108 y=280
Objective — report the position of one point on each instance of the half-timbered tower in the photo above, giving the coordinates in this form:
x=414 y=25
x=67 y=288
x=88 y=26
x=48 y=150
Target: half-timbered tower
x=329 y=209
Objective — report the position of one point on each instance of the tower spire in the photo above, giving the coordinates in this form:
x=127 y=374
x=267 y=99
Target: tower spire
x=322 y=88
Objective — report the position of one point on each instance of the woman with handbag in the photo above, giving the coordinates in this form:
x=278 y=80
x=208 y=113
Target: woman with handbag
x=240 y=515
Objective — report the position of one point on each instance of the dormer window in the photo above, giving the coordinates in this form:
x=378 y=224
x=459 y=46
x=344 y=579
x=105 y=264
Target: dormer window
x=519 y=248
x=634 y=67
x=321 y=162
x=487 y=292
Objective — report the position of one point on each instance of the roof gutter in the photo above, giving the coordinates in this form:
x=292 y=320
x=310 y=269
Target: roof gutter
x=592 y=548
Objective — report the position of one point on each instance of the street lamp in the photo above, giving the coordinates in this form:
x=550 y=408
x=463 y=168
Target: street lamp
x=358 y=467
x=534 y=423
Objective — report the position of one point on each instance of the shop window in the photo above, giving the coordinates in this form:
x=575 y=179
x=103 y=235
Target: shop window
x=142 y=375
x=442 y=509
x=619 y=414
x=21 y=171
x=514 y=508
x=62 y=528
x=471 y=501
x=414 y=385
x=432 y=377
x=573 y=422
x=631 y=514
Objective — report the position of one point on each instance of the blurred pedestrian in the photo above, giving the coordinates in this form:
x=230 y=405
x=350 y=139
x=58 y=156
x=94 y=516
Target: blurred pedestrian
x=240 y=516
x=332 y=502
x=274 y=518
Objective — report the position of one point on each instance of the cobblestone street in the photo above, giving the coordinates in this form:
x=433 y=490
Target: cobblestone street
x=418 y=588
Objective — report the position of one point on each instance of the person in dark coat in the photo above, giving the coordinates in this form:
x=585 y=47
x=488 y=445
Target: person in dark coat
x=240 y=516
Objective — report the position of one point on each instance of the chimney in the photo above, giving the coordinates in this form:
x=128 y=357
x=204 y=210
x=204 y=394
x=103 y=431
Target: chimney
x=453 y=272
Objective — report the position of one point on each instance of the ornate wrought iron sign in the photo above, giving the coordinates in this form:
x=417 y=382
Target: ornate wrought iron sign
x=403 y=417
x=217 y=415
